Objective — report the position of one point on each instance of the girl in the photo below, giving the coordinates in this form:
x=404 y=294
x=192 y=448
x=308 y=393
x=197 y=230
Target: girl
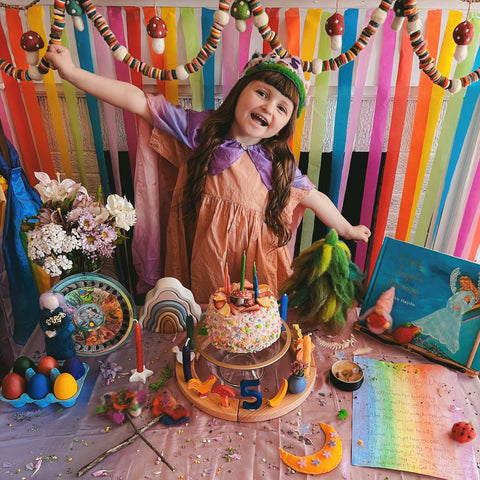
x=236 y=186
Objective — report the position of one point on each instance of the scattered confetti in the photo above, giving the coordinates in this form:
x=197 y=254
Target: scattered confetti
x=37 y=466
x=342 y=414
x=101 y=473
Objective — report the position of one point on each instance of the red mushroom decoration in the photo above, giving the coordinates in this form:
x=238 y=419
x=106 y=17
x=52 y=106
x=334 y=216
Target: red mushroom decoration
x=399 y=9
x=335 y=28
x=462 y=36
x=157 y=29
x=32 y=42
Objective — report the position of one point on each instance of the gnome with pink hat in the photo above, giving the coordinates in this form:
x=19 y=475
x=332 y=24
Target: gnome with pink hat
x=378 y=317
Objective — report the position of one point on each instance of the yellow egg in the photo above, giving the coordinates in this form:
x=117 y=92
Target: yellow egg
x=65 y=386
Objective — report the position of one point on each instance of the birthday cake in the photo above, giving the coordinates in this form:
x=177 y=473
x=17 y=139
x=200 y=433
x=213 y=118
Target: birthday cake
x=240 y=321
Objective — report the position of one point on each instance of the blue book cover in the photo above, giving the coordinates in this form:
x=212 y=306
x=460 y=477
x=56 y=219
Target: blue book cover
x=436 y=292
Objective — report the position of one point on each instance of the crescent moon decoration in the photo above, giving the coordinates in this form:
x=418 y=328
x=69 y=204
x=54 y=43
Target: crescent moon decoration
x=323 y=461
x=427 y=63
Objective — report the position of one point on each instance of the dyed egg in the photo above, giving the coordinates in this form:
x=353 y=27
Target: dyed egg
x=46 y=364
x=22 y=364
x=65 y=386
x=38 y=386
x=13 y=385
x=74 y=367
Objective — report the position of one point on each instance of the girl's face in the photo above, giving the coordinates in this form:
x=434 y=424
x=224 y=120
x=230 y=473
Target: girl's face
x=261 y=112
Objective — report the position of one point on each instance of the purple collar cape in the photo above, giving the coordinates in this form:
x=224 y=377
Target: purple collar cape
x=231 y=150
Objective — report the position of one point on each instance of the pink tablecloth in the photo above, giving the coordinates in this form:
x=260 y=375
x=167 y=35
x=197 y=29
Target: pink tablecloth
x=66 y=439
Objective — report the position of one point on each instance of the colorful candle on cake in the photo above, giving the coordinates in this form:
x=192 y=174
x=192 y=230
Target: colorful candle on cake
x=227 y=281
x=255 y=280
x=242 y=278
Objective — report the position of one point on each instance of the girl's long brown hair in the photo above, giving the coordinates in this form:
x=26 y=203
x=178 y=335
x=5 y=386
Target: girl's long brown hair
x=216 y=128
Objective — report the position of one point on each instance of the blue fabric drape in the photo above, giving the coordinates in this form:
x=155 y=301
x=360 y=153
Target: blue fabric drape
x=22 y=201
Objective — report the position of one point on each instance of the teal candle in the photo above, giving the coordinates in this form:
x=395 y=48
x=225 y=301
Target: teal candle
x=242 y=278
x=255 y=280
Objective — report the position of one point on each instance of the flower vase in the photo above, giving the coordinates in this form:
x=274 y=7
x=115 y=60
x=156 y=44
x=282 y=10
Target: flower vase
x=296 y=383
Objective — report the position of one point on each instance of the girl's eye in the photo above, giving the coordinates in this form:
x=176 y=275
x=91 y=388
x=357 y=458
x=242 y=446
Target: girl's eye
x=262 y=93
x=282 y=108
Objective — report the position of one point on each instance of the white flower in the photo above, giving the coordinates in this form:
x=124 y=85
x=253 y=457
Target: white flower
x=122 y=210
x=55 y=190
x=55 y=266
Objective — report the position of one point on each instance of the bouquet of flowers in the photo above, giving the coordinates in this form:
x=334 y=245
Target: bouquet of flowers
x=73 y=232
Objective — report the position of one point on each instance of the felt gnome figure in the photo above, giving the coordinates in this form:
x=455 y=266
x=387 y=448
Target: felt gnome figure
x=378 y=317
x=57 y=326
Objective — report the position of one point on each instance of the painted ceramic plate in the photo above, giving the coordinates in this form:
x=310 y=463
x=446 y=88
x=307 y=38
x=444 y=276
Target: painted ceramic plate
x=102 y=310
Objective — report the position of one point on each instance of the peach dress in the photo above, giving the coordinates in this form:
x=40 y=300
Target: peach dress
x=230 y=221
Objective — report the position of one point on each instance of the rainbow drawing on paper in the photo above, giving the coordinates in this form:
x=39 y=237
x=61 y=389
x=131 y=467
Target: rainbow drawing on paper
x=402 y=417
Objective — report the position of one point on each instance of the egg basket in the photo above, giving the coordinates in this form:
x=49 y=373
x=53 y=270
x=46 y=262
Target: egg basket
x=50 y=398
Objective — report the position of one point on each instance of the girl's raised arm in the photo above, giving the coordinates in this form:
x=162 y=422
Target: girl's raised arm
x=119 y=94
x=328 y=213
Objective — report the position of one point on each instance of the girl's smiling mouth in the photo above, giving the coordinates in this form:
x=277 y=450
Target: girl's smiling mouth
x=259 y=119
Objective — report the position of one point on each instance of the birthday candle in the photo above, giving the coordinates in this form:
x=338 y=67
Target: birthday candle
x=242 y=279
x=186 y=362
x=227 y=281
x=190 y=331
x=255 y=280
x=283 y=307
x=138 y=345
x=307 y=353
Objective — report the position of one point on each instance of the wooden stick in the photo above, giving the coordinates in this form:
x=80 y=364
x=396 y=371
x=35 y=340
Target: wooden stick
x=118 y=447
x=474 y=350
x=139 y=433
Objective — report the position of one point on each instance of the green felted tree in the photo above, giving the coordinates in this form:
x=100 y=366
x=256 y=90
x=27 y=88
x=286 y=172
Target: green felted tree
x=324 y=284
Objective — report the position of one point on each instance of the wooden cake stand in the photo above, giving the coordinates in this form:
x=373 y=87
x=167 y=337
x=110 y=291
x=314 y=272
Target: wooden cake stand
x=272 y=359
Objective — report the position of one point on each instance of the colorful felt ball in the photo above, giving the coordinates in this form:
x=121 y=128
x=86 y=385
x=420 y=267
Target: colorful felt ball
x=22 y=364
x=65 y=386
x=74 y=367
x=46 y=364
x=38 y=386
x=13 y=385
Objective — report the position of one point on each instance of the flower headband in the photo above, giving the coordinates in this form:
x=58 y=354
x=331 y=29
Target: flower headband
x=290 y=67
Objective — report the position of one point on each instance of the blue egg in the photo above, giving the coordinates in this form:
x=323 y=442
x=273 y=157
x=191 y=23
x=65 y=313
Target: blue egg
x=74 y=367
x=38 y=386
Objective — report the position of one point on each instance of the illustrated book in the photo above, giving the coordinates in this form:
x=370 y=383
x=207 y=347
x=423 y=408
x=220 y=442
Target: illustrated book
x=435 y=294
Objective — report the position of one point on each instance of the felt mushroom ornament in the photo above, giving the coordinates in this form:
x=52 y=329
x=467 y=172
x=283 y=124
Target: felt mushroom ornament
x=399 y=9
x=32 y=42
x=462 y=36
x=241 y=12
x=74 y=9
x=335 y=28
x=157 y=30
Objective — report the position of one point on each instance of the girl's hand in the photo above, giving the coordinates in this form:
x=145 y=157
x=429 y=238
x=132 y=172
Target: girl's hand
x=60 y=59
x=359 y=233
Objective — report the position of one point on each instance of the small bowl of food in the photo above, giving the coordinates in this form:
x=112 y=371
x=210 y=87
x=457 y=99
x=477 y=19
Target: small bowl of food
x=346 y=375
